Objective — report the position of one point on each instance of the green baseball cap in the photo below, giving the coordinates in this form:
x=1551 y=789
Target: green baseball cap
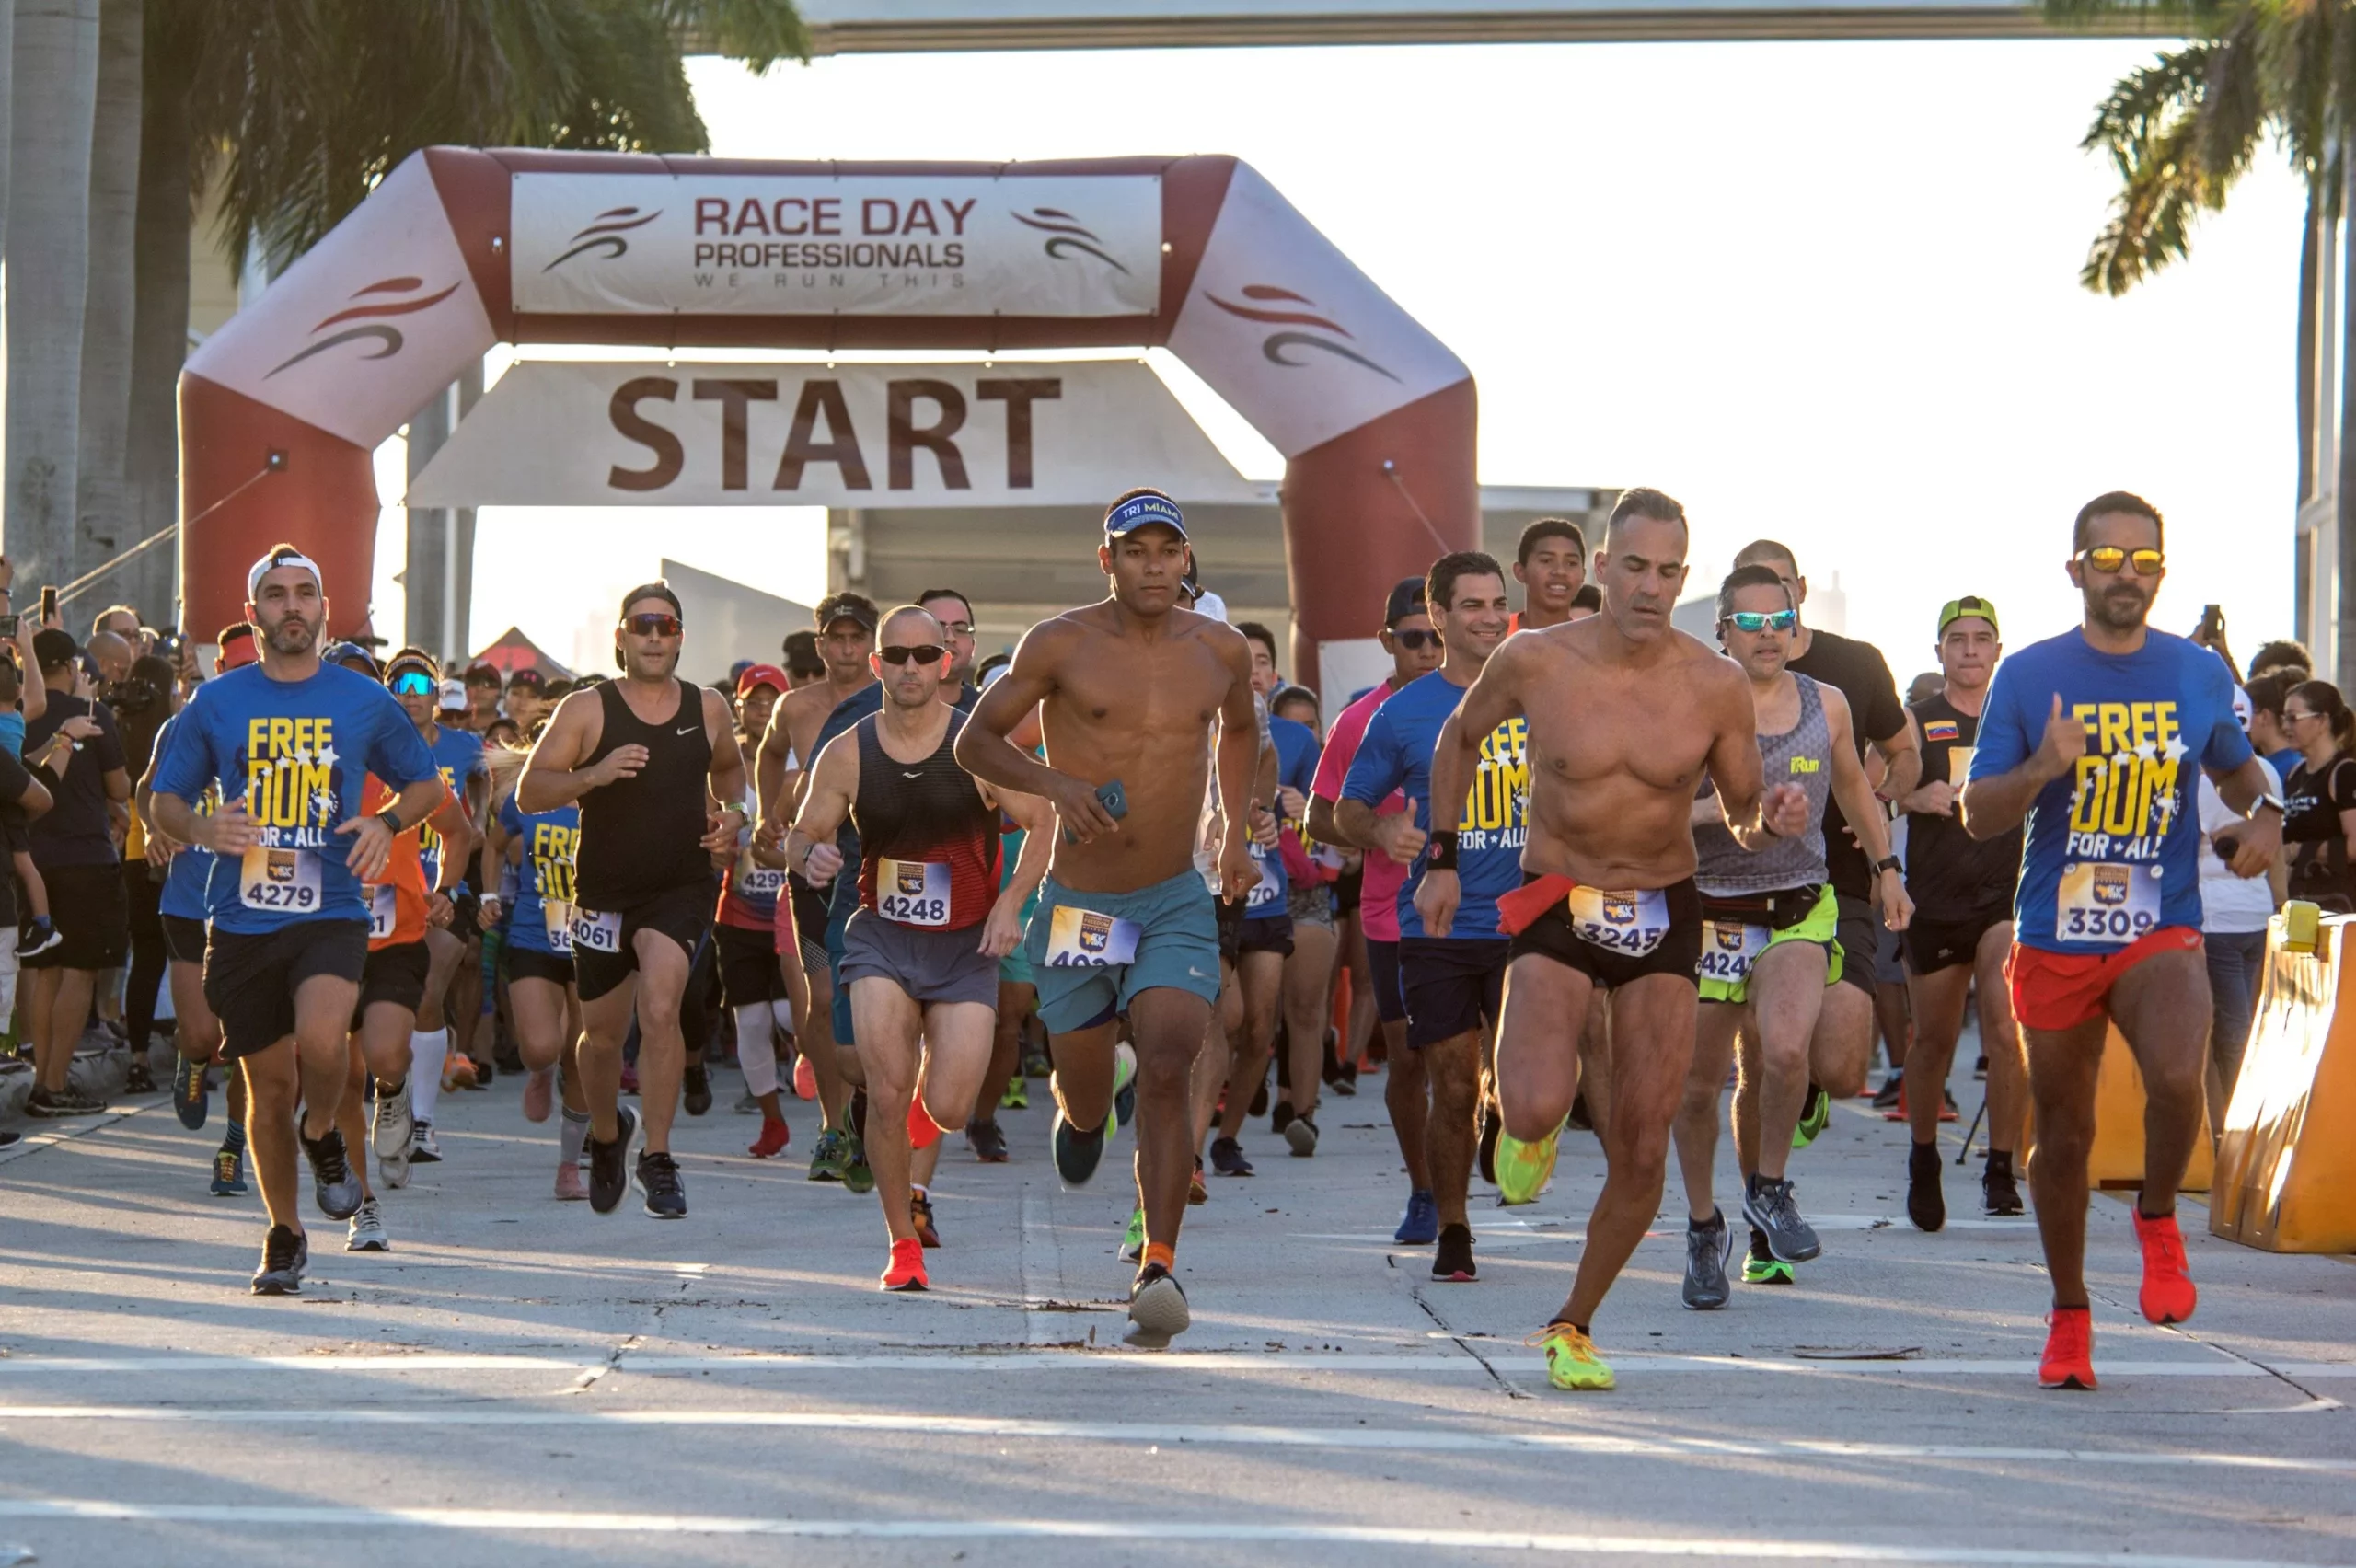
x=1955 y=610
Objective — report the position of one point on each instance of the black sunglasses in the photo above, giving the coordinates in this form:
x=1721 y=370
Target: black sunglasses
x=923 y=654
x=1414 y=642
x=653 y=623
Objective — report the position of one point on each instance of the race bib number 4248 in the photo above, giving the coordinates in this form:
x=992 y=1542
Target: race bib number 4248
x=2100 y=901
x=913 y=892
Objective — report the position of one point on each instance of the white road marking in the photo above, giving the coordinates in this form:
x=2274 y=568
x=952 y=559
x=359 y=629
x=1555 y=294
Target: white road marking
x=1412 y=1439
x=1027 y=1362
x=1737 y=1548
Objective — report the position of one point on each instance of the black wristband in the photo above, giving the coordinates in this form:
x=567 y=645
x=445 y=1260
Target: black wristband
x=392 y=819
x=1444 y=851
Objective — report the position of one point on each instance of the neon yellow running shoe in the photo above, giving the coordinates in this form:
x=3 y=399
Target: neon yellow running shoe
x=1524 y=1169
x=1571 y=1361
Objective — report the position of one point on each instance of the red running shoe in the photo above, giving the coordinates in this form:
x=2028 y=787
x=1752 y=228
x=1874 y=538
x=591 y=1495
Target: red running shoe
x=805 y=1079
x=774 y=1136
x=906 y=1270
x=2069 y=1350
x=2167 y=1296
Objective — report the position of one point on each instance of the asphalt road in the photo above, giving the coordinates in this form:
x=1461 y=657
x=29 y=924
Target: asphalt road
x=519 y=1381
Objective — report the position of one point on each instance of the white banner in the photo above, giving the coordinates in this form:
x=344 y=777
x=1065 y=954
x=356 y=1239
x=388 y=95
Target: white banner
x=650 y=432
x=870 y=245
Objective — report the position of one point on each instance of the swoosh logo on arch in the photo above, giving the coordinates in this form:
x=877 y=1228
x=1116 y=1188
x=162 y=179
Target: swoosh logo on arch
x=370 y=317
x=604 y=235
x=1276 y=347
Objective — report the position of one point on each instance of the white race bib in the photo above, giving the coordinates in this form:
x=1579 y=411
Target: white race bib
x=756 y=880
x=1728 y=950
x=596 y=933
x=384 y=909
x=1083 y=938
x=2107 y=902
x=1632 y=923
x=285 y=880
x=1268 y=889
x=913 y=892
x=555 y=920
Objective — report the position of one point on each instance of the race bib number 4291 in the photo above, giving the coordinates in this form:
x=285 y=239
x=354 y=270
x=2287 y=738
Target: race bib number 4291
x=285 y=880
x=2100 y=901
x=1632 y=923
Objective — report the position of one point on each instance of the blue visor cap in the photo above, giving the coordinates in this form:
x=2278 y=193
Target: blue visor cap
x=1138 y=512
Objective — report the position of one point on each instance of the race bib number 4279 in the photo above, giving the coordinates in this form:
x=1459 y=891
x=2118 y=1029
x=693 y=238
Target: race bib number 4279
x=2100 y=901
x=285 y=880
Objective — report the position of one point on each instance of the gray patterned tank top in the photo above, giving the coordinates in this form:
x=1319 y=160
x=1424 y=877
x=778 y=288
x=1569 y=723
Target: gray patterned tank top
x=1802 y=756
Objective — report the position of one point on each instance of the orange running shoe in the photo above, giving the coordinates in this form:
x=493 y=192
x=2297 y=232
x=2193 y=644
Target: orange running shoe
x=774 y=1136
x=921 y=1216
x=2069 y=1350
x=906 y=1270
x=805 y=1079
x=2167 y=1296
x=459 y=1072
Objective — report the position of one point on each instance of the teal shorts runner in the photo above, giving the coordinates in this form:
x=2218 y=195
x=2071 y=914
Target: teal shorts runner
x=1091 y=953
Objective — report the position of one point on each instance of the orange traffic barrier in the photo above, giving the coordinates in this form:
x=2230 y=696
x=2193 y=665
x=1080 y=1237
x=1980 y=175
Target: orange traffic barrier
x=2117 y=1159
x=2286 y=1178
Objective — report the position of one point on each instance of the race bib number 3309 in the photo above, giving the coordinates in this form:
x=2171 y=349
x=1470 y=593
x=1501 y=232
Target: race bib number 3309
x=2098 y=902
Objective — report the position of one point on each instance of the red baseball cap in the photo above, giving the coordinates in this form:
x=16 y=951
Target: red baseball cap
x=762 y=675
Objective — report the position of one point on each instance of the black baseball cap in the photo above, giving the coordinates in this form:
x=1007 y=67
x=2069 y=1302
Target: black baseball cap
x=1406 y=599
x=845 y=606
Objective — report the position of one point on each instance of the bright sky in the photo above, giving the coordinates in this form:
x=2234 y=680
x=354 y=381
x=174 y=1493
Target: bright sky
x=1826 y=293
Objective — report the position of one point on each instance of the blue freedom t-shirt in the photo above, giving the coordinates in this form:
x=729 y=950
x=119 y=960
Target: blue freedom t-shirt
x=191 y=869
x=295 y=753
x=1397 y=754
x=458 y=753
x=2111 y=851
x=551 y=843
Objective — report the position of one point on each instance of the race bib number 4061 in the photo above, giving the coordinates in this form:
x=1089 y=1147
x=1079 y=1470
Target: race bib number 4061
x=285 y=880
x=1632 y=923
x=1083 y=938
x=2098 y=902
x=597 y=932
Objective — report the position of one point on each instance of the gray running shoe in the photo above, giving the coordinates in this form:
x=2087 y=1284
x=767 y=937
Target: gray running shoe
x=747 y=1104
x=425 y=1148
x=334 y=1182
x=1157 y=1310
x=367 y=1233
x=394 y=1133
x=284 y=1255
x=1767 y=1203
x=1706 y=1250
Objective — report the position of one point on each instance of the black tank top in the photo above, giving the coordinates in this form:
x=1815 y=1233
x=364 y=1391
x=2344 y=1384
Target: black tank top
x=930 y=825
x=642 y=837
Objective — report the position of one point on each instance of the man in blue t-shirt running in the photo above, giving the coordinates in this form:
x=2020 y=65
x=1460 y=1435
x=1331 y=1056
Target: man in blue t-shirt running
x=289 y=743
x=1452 y=975
x=2092 y=737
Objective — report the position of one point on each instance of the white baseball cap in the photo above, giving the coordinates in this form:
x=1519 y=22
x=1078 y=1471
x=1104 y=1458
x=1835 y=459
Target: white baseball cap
x=454 y=696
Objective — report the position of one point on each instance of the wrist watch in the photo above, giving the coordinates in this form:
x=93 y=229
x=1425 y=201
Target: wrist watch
x=392 y=819
x=1888 y=863
x=2268 y=799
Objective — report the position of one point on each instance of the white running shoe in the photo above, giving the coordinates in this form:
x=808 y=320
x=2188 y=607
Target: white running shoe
x=394 y=1135
x=367 y=1233
x=423 y=1148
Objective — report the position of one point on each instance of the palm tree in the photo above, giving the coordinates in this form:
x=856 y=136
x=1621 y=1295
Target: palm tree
x=2183 y=129
x=105 y=524
x=52 y=101
x=297 y=108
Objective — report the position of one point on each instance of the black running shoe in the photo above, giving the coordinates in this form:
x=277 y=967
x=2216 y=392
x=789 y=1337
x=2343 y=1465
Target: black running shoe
x=1886 y=1097
x=1999 y=1193
x=1300 y=1133
x=1492 y=1123
x=1259 y=1106
x=1281 y=1117
x=1707 y=1249
x=658 y=1178
x=139 y=1080
x=190 y=1099
x=609 y=1163
x=1452 y=1259
x=285 y=1253
x=1157 y=1310
x=696 y=1092
x=987 y=1140
x=333 y=1180
x=1227 y=1157
x=1077 y=1153
x=1926 y=1204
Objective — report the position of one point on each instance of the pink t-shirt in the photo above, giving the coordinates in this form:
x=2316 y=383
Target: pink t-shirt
x=1379 y=893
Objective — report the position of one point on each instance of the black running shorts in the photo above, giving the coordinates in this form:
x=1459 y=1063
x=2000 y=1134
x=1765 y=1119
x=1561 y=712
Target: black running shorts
x=1933 y=945
x=92 y=912
x=1268 y=933
x=683 y=913
x=529 y=964
x=184 y=939
x=1382 y=963
x=1677 y=953
x=394 y=975
x=1453 y=986
x=748 y=967
x=1859 y=942
x=250 y=978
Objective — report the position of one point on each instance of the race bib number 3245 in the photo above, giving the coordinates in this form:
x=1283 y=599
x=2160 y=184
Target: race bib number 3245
x=1632 y=923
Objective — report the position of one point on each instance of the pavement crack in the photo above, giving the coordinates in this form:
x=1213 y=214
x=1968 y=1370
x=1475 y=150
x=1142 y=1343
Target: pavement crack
x=588 y=1379
x=1512 y=1391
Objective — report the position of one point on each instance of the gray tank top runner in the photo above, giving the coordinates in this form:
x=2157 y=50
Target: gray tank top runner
x=1802 y=756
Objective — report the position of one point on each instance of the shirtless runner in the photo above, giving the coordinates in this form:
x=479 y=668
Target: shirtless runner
x=1626 y=716
x=1127 y=689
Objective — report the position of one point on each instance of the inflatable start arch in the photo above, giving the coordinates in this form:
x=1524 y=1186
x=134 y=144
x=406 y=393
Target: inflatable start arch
x=459 y=250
